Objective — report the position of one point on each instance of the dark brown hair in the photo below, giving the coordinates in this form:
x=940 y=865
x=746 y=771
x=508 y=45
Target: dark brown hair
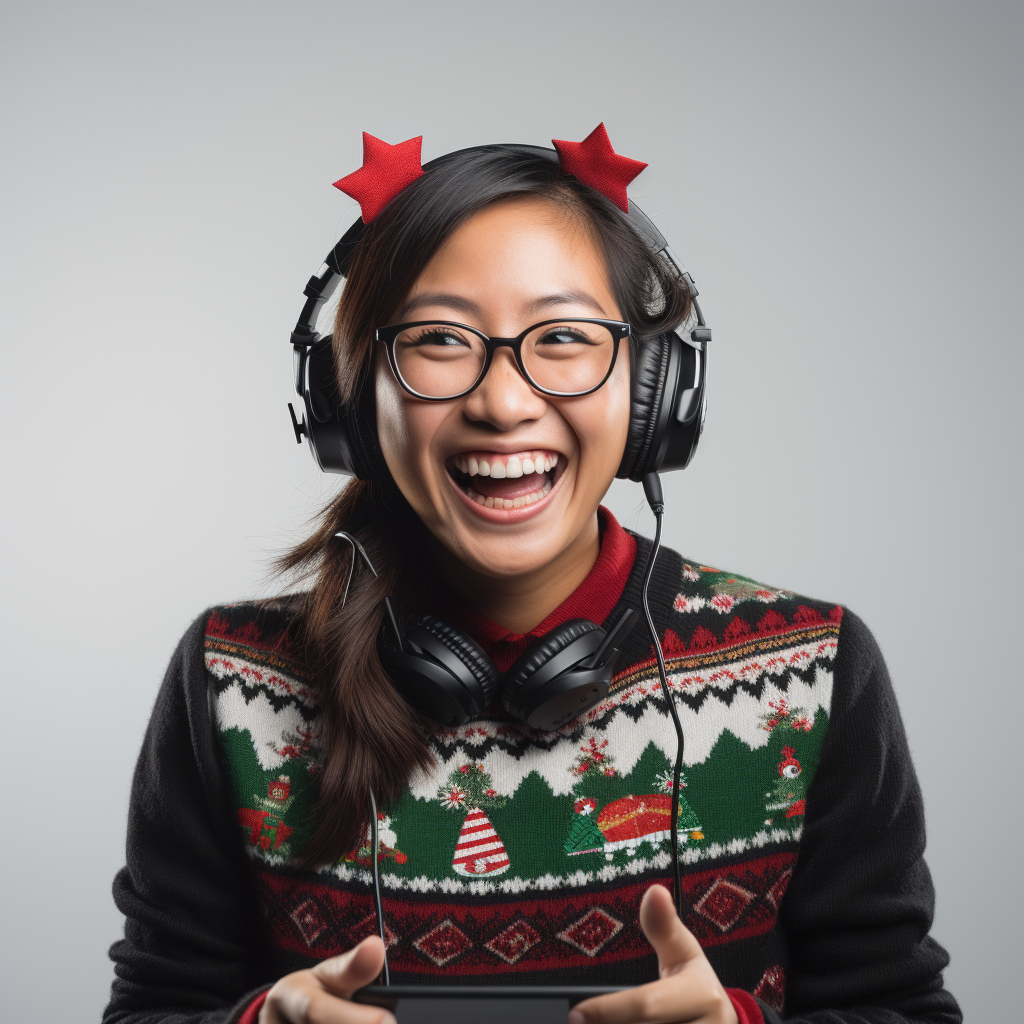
x=370 y=737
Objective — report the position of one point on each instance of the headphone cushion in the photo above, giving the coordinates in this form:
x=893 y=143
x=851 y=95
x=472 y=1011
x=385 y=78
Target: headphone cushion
x=647 y=388
x=480 y=666
x=539 y=653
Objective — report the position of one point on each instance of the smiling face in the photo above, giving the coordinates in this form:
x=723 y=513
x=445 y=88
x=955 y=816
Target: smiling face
x=506 y=478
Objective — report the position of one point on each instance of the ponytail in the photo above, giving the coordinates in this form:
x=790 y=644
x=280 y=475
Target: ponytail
x=371 y=739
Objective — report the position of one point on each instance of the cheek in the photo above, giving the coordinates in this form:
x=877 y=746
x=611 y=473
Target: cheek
x=616 y=412
x=406 y=429
x=392 y=429
x=602 y=426
x=398 y=429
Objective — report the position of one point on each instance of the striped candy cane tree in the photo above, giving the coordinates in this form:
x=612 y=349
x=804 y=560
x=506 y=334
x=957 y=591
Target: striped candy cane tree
x=479 y=851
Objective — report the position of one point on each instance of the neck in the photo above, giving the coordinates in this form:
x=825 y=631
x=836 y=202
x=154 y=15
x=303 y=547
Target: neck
x=519 y=603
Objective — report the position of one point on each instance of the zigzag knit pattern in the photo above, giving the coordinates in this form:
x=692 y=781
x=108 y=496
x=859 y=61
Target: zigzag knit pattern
x=522 y=857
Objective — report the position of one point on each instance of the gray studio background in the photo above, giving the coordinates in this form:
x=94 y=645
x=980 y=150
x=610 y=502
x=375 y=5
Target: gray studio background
x=842 y=180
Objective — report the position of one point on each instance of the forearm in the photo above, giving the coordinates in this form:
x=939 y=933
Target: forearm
x=190 y=949
x=860 y=905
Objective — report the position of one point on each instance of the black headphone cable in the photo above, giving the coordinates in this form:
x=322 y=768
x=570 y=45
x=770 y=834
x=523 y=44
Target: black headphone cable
x=374 y=843
x=376 y=885
x=656 y=499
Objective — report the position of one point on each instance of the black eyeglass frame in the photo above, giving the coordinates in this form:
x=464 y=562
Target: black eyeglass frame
x=386 y=335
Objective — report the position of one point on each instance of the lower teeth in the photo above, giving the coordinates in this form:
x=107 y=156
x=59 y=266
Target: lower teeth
x=507 y=503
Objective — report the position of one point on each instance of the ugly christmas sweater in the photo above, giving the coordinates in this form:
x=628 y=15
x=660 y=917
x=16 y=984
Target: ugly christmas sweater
x=522 y=857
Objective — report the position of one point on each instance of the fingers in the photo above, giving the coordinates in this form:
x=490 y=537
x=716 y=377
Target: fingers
x=669 y=1001
x=310 y=1004
x=324 y=1008
x=657 y=1002
x=674 y=943
x=688 y=990
x=343 y=974
x=321 y=994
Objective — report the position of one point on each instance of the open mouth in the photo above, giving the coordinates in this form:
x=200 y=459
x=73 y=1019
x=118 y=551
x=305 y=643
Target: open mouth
x=506 y=481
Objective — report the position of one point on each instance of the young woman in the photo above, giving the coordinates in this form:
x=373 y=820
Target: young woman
x=507 y=853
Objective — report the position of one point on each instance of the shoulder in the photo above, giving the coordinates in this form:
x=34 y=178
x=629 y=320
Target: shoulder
x=234 y=665
x=707 y=606
x=721 y=617
x=258 y=686
x=265 y=717
x=711 y=609
x=253 y=645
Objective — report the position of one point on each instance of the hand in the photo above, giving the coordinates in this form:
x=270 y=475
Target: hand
x=688 y=990
x=321 y=995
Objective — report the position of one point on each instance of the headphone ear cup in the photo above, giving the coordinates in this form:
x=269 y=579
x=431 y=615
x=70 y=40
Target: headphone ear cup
x=666 y=408
x=480 y=667
x=338 y=434
x=647 y=386
x=685 y=403
x=526 y=677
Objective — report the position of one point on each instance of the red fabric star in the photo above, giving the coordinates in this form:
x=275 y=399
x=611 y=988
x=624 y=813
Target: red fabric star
x=595 y=163
x=385 y=172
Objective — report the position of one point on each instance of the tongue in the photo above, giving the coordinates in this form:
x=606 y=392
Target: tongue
x=507 y=488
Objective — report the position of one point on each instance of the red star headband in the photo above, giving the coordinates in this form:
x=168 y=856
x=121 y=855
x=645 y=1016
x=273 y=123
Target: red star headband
x=385 y=172
x=595 y=163
x=388 y=169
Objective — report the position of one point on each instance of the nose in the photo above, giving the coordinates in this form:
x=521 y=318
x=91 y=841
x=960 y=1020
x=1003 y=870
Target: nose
x=504 y=397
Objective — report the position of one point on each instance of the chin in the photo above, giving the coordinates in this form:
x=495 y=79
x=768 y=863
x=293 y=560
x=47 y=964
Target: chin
x=501 y=558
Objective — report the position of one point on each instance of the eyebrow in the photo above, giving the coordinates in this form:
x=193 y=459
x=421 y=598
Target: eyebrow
x=457 y=302
x=567 y=298
x=461 y=304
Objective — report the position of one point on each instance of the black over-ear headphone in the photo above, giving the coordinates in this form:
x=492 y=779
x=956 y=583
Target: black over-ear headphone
x=444 y=674
x=667 y=382
x=438 y=669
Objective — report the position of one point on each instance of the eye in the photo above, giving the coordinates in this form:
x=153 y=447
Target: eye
x=565 y=336
x=435 y=336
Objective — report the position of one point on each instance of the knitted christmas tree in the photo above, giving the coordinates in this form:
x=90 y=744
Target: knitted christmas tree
x=687 y=825
x=790 y=790
x=479 y=850
x=584 y=835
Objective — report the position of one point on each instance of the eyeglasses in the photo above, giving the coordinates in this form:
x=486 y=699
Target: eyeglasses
x=439 y=360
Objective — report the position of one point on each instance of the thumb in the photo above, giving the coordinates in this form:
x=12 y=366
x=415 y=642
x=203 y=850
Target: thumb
x=343 y=974
x=674 y=943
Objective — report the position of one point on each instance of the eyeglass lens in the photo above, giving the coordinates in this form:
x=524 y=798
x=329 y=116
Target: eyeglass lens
x=438 y=360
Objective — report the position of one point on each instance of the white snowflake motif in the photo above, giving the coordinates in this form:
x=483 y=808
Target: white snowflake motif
x=681 y=603
x=454 y=798
x=665 y=780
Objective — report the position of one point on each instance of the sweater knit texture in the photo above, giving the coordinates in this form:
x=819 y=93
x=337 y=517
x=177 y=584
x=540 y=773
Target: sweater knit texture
x=521 y=857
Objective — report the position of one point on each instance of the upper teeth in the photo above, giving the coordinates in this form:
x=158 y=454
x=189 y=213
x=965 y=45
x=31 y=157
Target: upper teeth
x=511 y=466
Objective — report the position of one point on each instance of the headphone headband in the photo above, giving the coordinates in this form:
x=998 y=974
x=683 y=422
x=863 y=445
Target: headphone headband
x=322 y=285
x=667 y=388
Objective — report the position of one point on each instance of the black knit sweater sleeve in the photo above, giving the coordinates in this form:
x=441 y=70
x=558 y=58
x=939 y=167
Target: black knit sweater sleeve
x=860 y=903
x=187 y=956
